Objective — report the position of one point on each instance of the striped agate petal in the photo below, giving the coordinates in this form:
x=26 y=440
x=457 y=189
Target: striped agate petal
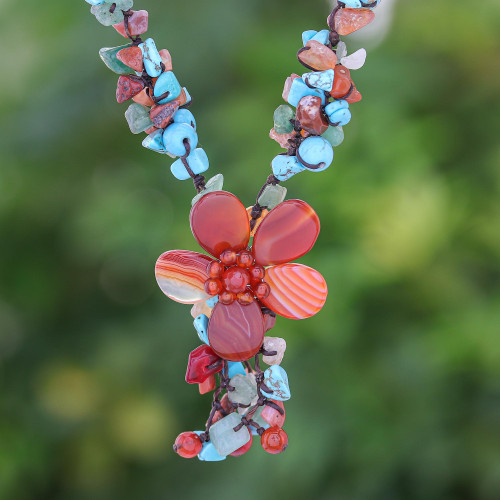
x=297 y=291
x=181 y=275
x=288 y=232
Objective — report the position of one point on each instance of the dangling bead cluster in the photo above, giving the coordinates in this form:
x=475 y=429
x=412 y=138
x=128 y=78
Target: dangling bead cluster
x=247 y=276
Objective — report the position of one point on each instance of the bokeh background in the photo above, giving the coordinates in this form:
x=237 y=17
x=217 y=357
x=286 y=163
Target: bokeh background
x=396 y=387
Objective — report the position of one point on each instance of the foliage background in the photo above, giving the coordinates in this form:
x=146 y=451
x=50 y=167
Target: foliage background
x=396 y=387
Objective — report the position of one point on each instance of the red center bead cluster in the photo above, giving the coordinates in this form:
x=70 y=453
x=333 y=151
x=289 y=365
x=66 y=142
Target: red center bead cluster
x=236 y=277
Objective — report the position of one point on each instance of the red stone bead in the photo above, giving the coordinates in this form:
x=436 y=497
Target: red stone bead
x=311 y=116
x=226 y=404
x=228 y=257
x=127 y=88
x=213 y=286
x=217 y=416
x=235 y=279
x=208 y=386
x=287 y=233
x=215 y=269
x=262 y=290
x=272 y=416
x=162 y=114
x=245 y=298
x=244 y=448
x=257 y=274
x=220 y=221
x=131 y=57
x=274 y=440
x=354 y=96
x=245 y=259
x=188 y=445
x=137 y=24
x=288 y=86
x=226 y=297
x=143 y=98
x=166 y=59
x=236 y=332
x=347 y=21
x=202 y=363
x=342 y=82
x=269 y=322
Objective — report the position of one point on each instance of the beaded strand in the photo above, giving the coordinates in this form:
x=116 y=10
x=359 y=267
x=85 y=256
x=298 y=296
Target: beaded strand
x=248 y=277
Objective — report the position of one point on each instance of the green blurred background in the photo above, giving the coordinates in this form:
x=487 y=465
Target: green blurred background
x=396 y=387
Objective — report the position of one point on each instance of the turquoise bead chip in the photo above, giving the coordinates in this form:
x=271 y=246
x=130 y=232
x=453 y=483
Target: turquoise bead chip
x=357 y=4
x=307 y=35
x=154 y=142
x=315 y=154
x=95 y=2
x=223 y=437
x=197 y=161
x=174 y=136
x=338 y=113
x=151 y=57
x=185 y=116
x=108 y=56
x=235 y=368
x=201 y=325
x=213 y=300
x=208 y=453
x=276 y=379
x=299 y=89
x=167 y=82
x=322 y=80
x=285 y=167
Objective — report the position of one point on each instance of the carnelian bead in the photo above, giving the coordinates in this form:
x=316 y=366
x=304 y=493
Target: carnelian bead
x=215 y=269
x=236 y=280
x=257 y=274
x=274 y=440
x=244 y=448
x=244 y=259
x=262 y=290
x=228 y=257
x=188 y=445
x=245 y=298
x=213 y=286
x=227 y=298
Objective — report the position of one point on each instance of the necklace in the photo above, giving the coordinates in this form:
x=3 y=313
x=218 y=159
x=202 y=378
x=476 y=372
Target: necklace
x=248 y=276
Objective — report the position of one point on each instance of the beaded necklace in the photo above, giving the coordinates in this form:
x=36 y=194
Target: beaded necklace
x=248 y=278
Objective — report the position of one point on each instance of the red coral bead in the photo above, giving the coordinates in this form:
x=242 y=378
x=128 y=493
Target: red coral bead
x=188 y=445
x=244 y=259
x=208 y=386
x=202 y=363
x=257 y=274
x=244 y=448
x=245 y=298
x=235 y=280
x=227 y=298
x=262 y=290
x=213 y=286
x=274 y=440
x=215 y=269
x=228 y=257
x=272 y=416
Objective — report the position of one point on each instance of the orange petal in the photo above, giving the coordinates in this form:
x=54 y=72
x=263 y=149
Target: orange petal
x=288 y=232
x=181 y=275
x=220 y=221
x=297 y=291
